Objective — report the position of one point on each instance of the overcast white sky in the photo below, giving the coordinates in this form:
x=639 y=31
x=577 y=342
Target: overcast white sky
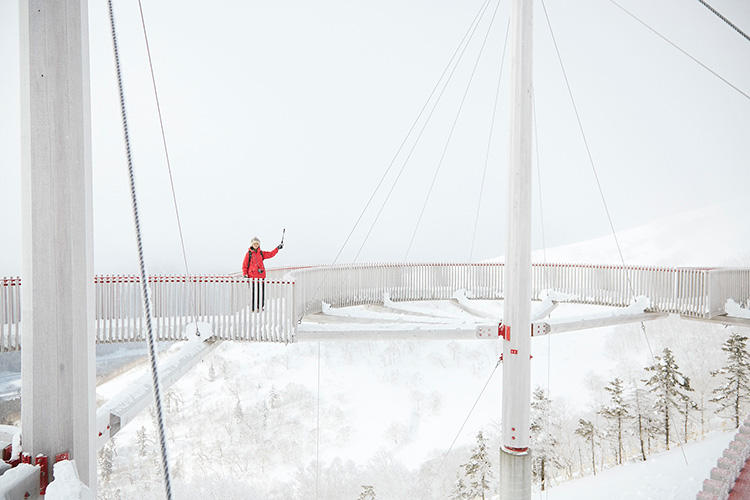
x=286 y=114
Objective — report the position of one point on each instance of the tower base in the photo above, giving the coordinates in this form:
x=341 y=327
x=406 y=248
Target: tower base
x=515 y=476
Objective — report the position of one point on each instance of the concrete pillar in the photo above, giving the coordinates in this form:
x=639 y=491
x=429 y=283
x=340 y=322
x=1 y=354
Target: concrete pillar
x=58 y=356
x=515 y=456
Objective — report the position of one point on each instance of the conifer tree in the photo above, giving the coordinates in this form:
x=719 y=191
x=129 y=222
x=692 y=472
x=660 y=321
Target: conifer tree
x=587 y=431
x=106 y=460
x=543 y=442
x=736 y=391
x=642 y=418
x=238 y=414
x=669 y=387
x=143 y=441
x=478 y=469
x=460 y=491
x=616 y=412
x=367 y=493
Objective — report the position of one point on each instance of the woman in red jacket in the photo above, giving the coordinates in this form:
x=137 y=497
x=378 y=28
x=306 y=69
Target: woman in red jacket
x=252 y=267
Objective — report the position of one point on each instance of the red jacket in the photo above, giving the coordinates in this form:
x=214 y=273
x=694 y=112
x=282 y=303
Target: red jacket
x=253 y=266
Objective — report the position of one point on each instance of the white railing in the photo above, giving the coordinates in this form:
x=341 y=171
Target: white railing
x=291 y=293
x=727 y=284
x=224 y=302
x=10 y=314
x=674 y=290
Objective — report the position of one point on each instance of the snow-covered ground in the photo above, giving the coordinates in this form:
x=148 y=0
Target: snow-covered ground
x=674 y=474
x=244 y=421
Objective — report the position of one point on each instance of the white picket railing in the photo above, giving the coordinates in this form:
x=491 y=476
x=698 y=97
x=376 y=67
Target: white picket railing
x=290 y=293
x=726 y=283
x=224 y=302
x=675 y=290
x=10 y=314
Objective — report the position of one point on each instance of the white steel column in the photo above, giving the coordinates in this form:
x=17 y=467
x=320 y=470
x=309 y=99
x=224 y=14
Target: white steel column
x=58 y=360
x=515 y=459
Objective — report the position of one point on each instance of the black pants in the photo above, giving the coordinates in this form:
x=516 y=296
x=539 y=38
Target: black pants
x=258 y=298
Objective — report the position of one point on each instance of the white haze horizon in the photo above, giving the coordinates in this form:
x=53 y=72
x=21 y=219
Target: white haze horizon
x=286 y=115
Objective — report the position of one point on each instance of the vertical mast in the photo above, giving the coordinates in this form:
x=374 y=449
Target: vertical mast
x=515 y=454
x=58 y=358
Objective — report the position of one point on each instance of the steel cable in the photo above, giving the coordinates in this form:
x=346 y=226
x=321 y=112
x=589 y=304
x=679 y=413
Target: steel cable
x=468 y=415
x=459 y=50
x=544 y=259
x=598 y=183
x=169 y=169
x=422 y=129
x=469 y=31
x=141 y=260
x=452 y=129
x=588 y=149
x=723 y=18
x=670 y=42
x=317 y=432
x=489 y=143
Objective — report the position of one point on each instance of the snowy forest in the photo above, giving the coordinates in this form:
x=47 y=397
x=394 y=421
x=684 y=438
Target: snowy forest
x=243 y=424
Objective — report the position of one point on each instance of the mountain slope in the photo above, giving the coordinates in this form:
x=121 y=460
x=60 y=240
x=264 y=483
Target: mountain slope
x=718 y=235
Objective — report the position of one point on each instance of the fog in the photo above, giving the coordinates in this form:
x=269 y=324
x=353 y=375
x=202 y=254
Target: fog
x=286 y=115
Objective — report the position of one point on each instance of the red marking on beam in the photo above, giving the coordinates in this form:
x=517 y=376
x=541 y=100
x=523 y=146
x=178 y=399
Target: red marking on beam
x=514 y=351
x=503 y=331
x=517 y=450
x=43 y=464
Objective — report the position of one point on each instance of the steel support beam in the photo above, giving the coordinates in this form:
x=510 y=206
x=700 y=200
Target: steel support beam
x=721 y=320
x=58 y=358
x=563 y=325
x=359 y=332
x=113 y=415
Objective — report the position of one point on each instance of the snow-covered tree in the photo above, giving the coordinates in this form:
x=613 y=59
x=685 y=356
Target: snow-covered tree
x=616 y=412
x=642 y=416
x=273 y=398
x=736 y=391
x=106 y=460
x=238 y=414
x=460 y=490
x=173 y=401
x=543 y=441
x=367 y=493
x=143 y=441
x=478 y=470
x=587 y=431
x=669 y=387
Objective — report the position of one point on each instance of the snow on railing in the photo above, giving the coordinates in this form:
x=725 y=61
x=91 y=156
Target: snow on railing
x=290 y=293
x=726 y=284
x=729 y=466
